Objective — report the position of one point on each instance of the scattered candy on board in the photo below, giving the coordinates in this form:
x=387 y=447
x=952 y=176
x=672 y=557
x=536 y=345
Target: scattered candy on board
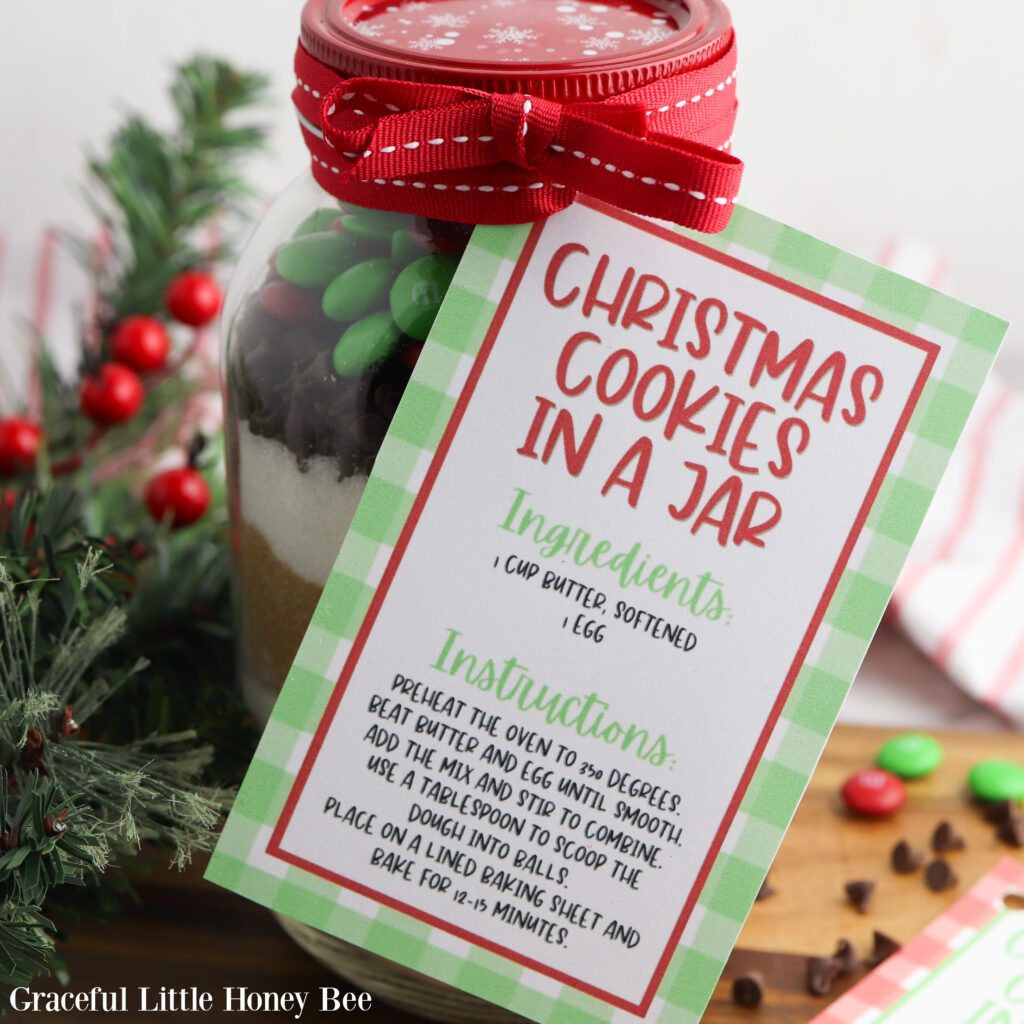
x=996 y=779
x=910 y=755
x=874 y=792
x=878 y=792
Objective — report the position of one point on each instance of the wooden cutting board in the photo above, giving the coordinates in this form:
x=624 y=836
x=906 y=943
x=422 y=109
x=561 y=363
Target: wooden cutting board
x=826 y=846
x=187 y=932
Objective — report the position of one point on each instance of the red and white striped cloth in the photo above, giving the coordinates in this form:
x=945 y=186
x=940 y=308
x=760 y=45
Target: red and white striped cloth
x=961 y=595
x=43 y=294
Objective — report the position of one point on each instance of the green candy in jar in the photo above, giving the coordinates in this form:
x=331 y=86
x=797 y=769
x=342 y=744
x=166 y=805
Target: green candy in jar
x=367 y=343
x=319 y=220
x=356 y=291
x=370 y=225
x=314 y=260
x=405 y=248
x=418 y=292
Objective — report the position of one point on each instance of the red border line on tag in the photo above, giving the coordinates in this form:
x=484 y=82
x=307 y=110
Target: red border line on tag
x=930 y=350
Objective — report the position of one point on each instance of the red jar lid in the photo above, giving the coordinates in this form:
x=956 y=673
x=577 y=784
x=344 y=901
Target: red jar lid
x=558 y=49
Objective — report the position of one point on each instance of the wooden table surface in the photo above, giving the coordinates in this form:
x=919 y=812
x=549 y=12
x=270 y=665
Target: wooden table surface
x=189 y=933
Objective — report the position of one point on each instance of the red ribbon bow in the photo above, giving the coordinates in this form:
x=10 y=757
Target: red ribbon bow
x=497 y=158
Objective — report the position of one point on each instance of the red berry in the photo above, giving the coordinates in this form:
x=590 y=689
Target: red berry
x=19 y=444
x=111 y=395
x=181 y=495
x=54 y=826
x=68 y=725
x=874 y=792
x=193 y=298
x=140 y=342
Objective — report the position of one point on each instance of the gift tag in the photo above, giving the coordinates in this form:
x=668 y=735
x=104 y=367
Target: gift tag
x=634 y=524
x=966 y=966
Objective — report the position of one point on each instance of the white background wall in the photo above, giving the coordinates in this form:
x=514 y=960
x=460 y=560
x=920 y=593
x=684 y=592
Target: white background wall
x=858 y=122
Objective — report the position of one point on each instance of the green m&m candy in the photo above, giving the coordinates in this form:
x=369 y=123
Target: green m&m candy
x=312 y=260
x=996 y=780
x=418 y=291
x=318 y=220
x=354 y=292
x=366 y=343
x=369 y=225
x=405 y=248
x=910 y=755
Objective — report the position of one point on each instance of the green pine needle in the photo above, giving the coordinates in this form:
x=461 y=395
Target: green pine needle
x=156 y=191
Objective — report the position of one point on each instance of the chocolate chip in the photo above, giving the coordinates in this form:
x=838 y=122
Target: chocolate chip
x=905 y=859
x=765 y=892
x=939 y=875
x=845 y=956
x=1001 y=811
x=882 y=948
x=748 y=989
x=387 y=396
x=1011 y=831
x=859 y=893
x=945 y=838
x=369 y=430
x=821 y=972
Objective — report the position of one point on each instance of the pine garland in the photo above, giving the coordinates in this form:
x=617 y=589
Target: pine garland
x=119 y=724
x=71 y=804
x=154 y=191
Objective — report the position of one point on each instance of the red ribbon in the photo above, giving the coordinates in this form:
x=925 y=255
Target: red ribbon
x=503 y=158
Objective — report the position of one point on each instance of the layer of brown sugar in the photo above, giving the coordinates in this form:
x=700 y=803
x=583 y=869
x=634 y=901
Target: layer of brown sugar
x=274 y=609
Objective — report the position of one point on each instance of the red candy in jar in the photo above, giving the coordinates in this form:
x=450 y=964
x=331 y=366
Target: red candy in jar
x=874 y=793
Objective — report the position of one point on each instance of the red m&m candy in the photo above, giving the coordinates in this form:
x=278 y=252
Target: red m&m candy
x=874 y=792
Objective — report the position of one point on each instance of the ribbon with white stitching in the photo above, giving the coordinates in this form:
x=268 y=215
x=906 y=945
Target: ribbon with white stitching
x=499 y=158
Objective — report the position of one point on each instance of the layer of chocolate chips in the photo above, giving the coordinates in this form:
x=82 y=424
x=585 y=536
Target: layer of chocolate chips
x=286 y=387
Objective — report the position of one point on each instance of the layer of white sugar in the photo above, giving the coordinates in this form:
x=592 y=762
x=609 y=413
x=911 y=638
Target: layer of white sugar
x=304 y=516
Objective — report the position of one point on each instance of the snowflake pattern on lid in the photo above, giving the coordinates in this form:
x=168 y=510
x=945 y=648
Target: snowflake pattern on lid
x=519 y=31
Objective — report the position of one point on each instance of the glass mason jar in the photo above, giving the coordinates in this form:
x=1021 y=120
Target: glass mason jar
x=326 y=314
x=339 y=285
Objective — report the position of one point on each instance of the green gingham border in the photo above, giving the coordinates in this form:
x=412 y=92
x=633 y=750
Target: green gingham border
x=969 y=340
